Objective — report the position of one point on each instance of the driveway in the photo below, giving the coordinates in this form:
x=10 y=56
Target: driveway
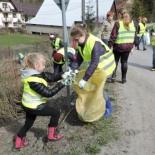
x=136 y=99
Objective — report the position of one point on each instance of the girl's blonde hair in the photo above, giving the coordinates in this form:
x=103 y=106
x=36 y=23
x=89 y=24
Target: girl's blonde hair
x=78 y=30
x=125 y=17
x=32 y=58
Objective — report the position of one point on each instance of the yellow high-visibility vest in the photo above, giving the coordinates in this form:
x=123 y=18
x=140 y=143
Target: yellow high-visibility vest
x=30 y=98
x=124 y=35
x=106 y=62
x=142 y=29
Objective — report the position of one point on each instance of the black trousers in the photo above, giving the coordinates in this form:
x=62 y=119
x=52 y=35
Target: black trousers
x=31 y=115
x=124 y=58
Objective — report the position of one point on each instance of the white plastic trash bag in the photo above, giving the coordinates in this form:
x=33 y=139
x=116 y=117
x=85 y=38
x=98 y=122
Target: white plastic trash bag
x=147 y=38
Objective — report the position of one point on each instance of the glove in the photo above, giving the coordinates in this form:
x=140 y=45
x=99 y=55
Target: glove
x=82 y=84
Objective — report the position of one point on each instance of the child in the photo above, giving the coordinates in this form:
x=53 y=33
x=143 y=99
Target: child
x=34 y=97
x=58 y=58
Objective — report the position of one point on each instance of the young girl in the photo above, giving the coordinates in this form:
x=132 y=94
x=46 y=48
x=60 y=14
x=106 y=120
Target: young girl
x=93 y=51
x=34 y=97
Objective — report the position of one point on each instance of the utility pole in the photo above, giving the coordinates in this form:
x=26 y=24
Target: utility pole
x=83 y=11
x=97 y=13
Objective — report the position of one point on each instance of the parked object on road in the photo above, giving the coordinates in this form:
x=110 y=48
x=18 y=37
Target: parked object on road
x=153 y=47
x=122 y=40
x=34 y=101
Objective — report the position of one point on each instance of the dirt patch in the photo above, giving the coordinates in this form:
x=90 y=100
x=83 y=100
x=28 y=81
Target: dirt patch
x=79 y=137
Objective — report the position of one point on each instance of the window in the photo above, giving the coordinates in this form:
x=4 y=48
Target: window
x=4 y=5
x=5 y=15
x=14 y=15
x=14 y=23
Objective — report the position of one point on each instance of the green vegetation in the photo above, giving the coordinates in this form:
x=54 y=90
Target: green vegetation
x=17 y=39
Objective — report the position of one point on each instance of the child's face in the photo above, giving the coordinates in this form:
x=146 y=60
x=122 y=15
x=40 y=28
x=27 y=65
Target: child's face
x=40 y=65
x=80 y=39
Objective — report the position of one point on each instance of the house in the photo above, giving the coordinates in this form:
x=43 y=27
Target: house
x=14 y=15
x=49 y=18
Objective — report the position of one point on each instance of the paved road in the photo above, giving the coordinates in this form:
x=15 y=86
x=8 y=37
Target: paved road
x=136 y=118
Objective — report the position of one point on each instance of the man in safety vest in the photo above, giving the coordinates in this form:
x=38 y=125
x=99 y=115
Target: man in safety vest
x=142 y=33
x=56 y=42
x=58 y=58
x=153 y=46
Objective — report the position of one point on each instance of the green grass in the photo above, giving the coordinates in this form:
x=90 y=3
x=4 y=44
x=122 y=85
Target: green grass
x=18 y=39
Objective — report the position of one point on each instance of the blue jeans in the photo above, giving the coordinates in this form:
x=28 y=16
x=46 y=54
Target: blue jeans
x=105 y=41
x=143 y=37
x=153 y=56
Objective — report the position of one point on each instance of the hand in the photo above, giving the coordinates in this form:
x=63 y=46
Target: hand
x=82 y=84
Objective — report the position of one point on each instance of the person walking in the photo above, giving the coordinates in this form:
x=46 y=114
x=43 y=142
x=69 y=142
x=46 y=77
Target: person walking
x=141 y=33
x=58 y=58
x=122 y=40
x=106 y=28
x=153 y=47
x=34 y=97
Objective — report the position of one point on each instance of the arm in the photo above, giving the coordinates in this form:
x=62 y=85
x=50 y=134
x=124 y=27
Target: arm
x=114 y=34
x=98 y=50
x=101 y=30
x=45 y=91
x=61 y=44
x=49 y=77
x=71 y=56
x=77 y=62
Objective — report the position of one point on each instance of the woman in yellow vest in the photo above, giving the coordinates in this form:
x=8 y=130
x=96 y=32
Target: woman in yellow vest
x=122 y=40
x=34 y=97
x=142 y=33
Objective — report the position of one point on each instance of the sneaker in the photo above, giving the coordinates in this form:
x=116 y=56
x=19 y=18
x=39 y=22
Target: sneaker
x=153 y=69
x=124 y=81
x=138 y=48
x=144 y=49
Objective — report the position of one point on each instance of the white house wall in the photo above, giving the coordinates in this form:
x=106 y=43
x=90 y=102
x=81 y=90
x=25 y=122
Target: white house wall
x=10 y=16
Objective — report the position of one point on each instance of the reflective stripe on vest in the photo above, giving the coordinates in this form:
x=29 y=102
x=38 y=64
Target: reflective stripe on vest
x=30 y=98
x=124 y=35
x=106 y=61
x=142 y=29
x=62 y=51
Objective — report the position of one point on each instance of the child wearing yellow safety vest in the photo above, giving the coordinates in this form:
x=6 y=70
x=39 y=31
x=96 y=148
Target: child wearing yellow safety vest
x=34 y=97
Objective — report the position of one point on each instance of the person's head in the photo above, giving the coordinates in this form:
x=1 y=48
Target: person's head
x=110 y=15
x=144 y=20
x=79 y=32
x=35 y=61
x=139 y=18
x=123 y=15
x=58 y=57
x=52 y=37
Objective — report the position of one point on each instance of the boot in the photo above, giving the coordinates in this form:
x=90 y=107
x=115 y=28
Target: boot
x=109 y=109
x=52 y=135
x=114 y=74
x=20 y=143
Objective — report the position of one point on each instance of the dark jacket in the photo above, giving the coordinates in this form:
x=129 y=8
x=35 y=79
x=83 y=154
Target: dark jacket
x=40 y=88
x=97 y=51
